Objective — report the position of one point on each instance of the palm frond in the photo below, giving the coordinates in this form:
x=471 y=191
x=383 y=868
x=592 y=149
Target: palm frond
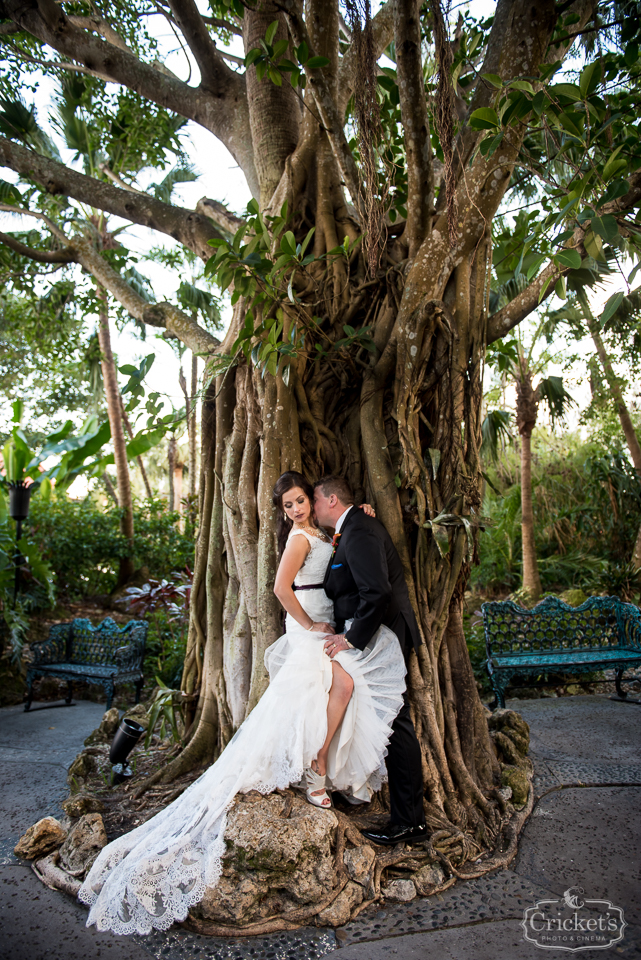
x=554 y=394
x=182 y=174
x=495 y=429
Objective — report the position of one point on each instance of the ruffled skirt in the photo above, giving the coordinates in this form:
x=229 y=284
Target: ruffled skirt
x=151 y=876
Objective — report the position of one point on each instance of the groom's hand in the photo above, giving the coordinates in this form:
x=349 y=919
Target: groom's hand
x=335 y=644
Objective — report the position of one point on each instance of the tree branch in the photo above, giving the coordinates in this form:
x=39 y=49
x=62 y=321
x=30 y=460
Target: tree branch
x=416 y=127
x=509 y=316
x=60 y=257
x=188 y=19
x=104 y=28
x=223 y=25
x=222 y=111
x=164 y=315
x=218 y=212
x=514 y=312
x=186 y=226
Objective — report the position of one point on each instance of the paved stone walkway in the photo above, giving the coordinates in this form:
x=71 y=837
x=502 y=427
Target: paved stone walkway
x=584 y=833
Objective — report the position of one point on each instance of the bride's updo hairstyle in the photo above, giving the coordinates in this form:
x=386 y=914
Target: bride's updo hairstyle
x=286 y=482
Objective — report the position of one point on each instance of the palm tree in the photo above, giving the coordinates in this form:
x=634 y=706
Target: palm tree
x=522 y=367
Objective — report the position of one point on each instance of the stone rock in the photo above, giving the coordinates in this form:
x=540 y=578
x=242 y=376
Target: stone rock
x=573 y=690
x=139 y=714
x=573 y=597
x=339 y=912
x=76 y=806
x=506 y=792
x=107 y=728
x=273 y=864
x=83 y=844
x=516 y=778
x=400 y=891
x=428 y=877
x=82 y=766
x=41 y=838
x=358 y=863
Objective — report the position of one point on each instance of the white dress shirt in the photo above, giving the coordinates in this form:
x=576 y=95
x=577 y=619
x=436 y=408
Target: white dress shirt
x=337 y=529
x=341 y=520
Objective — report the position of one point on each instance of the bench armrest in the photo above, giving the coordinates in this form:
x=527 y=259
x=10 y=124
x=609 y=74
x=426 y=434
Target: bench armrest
x=631 y=626
x=130 y=656
x=54 y=649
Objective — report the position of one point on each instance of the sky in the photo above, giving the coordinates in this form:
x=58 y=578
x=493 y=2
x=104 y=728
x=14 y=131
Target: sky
x=219 y=177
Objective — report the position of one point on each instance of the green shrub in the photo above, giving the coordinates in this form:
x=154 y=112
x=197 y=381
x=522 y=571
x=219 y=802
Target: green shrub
x=83 y=545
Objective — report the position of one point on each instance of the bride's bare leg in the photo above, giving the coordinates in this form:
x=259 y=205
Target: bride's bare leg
x=339 y=697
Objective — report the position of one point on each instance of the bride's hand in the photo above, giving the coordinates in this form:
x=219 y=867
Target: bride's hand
x=322 y=627
x=368 y=509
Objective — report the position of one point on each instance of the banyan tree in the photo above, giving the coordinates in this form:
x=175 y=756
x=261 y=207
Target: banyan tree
x=361 y=279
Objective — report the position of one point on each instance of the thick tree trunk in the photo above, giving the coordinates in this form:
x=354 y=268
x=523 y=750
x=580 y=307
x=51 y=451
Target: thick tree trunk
x=401 y=421
x=112 y=397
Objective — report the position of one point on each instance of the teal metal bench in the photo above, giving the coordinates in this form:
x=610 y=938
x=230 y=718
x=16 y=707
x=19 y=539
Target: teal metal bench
x=106 y=654
x=602 y=634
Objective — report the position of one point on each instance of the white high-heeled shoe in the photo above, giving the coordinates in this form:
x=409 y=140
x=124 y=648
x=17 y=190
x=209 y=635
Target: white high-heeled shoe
x=317 y=782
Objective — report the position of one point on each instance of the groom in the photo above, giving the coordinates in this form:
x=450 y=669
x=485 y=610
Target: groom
x=365 y=581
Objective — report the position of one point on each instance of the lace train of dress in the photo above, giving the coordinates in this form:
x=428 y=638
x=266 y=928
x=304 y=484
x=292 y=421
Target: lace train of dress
x=151 y=876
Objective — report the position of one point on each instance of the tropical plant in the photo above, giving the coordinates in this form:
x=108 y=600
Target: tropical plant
x=521 y=364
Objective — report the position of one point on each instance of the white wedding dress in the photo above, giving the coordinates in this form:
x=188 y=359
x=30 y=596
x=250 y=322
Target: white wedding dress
x=151 y=876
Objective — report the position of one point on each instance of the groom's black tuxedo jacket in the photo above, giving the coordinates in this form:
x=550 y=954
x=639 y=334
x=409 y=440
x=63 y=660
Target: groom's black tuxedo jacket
x=364 y=579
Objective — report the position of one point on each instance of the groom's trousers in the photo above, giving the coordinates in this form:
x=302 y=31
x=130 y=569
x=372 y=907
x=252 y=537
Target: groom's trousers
x=404 y=770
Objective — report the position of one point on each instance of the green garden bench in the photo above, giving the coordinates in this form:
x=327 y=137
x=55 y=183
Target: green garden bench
x=604 y=633
x=106 y=654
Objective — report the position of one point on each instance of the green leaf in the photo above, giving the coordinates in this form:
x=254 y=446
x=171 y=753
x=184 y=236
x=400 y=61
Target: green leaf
x=484 y=119
x=302 y=53
x=611 y=306
x=631 y=54
x=613 y=165
x=534 y=267
x=590 y=78
x=253 y=56
x=288 y=243
x=569 y=90
x=593 y=245
x=616 y=189
x=522 y=85
x=315 y=63
x=568 y=258
x=280 y=48
x=606 y=227
x=571 y=124
x=271 y=33
x=18 y=410
x=494 y=79
x=275 y=76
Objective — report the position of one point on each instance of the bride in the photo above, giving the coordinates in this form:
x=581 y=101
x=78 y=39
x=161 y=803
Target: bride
x=322 y=721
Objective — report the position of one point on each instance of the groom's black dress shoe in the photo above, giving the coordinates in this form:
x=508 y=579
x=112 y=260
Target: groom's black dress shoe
x=396 y=833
